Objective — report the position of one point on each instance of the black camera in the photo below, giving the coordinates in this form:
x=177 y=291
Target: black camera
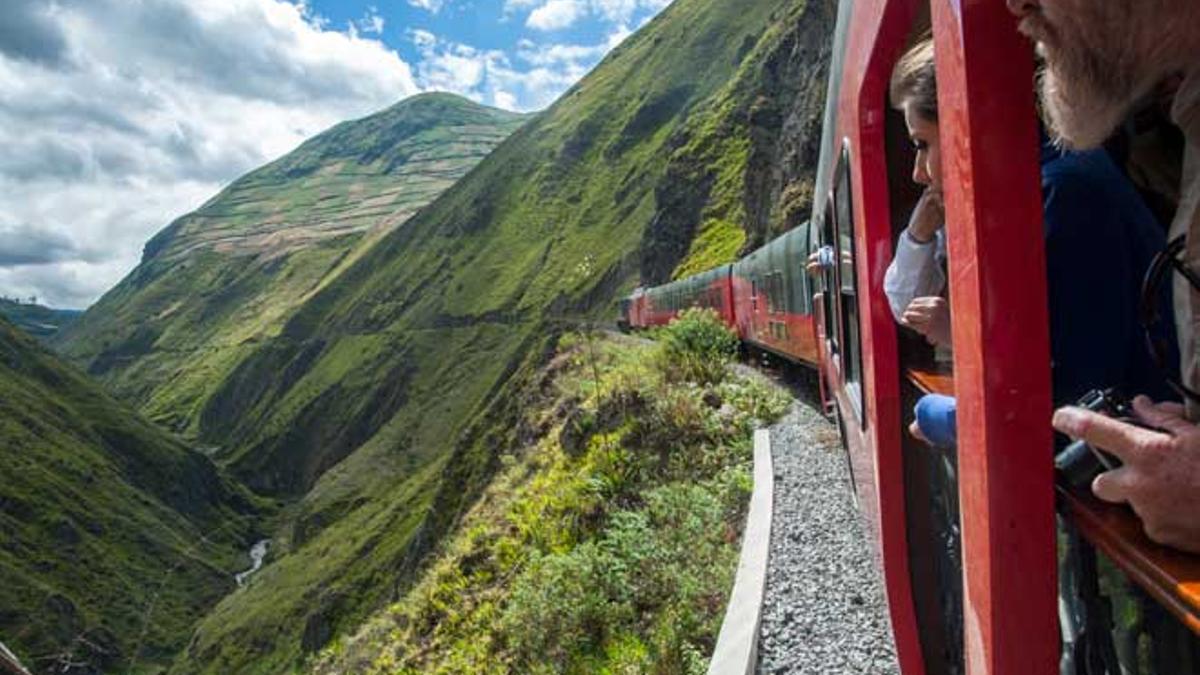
x=1080 y=462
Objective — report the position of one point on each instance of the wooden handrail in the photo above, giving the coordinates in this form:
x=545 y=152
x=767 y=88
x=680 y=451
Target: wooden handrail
x=1169 y=576
x=935 y=378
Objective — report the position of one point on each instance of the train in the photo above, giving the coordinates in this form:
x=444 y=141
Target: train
x=763 y=297
x=969 y=544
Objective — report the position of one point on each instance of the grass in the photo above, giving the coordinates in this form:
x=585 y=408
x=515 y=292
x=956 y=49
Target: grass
x=606 y=544
x=41 y=322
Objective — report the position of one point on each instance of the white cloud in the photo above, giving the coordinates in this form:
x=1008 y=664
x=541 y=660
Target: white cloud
x=423 y=39
x=504 y=100
x=529 y=80
x=557 y=14
x=552 y=15
x=123 y=116
x=512 y=6
x=432 y=6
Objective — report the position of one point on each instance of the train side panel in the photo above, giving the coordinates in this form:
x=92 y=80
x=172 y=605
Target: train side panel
x=658 y=306
x=863 y=378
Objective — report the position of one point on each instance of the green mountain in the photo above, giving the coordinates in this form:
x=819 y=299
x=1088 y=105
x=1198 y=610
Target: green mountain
x=41 y=322
x=114 y=537
x=379 y=403
x=220 y=280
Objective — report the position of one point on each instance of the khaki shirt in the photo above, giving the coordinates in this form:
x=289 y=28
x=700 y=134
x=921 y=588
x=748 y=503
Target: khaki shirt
x=1186 y=114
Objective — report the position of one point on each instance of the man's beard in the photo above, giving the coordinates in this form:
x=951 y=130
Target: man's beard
x=1091 y=80
x=1083 y=106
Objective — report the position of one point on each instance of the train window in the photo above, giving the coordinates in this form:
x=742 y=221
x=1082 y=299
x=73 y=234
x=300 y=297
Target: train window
x=828 y=280
x=777 y=291
x=848 y=290
x=782 y=304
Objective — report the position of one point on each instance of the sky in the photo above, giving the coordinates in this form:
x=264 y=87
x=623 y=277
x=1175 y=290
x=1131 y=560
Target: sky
x=117 y=116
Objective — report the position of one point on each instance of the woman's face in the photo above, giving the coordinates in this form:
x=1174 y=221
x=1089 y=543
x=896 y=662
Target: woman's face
x=927 y=166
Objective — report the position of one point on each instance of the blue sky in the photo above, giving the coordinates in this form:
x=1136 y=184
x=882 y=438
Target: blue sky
x=484 y=24
x=527 y=49
x=117 y=117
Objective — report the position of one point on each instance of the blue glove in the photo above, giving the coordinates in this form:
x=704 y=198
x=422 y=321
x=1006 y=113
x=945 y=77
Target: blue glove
x=936 y=418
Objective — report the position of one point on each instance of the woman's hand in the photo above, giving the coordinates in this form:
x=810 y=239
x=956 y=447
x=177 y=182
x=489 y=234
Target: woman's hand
x=915 y=430
x=927 y=217
x=930 y=317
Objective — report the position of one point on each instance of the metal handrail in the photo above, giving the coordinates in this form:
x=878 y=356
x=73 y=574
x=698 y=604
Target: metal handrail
x=736 y=652
x=9 y=663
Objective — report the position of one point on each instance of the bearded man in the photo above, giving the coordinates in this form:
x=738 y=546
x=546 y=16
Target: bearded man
x=1101 y=57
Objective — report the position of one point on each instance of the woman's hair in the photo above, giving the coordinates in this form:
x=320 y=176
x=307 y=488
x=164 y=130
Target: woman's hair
x=914 y=81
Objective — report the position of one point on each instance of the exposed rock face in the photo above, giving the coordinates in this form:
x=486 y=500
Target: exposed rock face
x=773 y=113
x=785 y=126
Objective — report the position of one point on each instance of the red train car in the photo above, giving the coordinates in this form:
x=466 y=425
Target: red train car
x=766 y=297
x=772 y=298
x=966 y=542
x=657 y=306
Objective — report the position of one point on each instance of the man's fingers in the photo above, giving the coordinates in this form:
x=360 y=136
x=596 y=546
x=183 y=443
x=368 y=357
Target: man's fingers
x=1168 y=415
x=1113 y=486
x=1126 y=441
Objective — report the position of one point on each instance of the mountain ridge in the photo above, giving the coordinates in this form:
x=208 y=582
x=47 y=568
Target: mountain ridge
x=37 y=320
x=220 y=279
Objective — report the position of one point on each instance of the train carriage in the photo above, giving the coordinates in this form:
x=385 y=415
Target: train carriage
x=659 y=305
x=773 y=298
x=966 y=541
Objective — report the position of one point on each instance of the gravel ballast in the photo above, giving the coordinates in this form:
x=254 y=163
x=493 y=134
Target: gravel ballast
x=824 y=609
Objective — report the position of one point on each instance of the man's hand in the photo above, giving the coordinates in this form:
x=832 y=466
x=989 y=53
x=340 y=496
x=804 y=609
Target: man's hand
x=1160 y=476
x=929 y=316
x=814 y=266
x=927 y=218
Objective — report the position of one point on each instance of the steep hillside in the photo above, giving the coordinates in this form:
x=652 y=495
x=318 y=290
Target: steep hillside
x=386 y=400
x=41 y=322
x=218 y=281
x=608 y=542
x=114 y=538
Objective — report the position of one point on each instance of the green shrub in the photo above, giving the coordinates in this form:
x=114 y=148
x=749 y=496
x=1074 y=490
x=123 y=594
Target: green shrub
x=609 y=545
x=697 y=346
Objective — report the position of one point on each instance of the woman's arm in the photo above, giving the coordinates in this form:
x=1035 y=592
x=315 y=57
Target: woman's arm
x=914 y=271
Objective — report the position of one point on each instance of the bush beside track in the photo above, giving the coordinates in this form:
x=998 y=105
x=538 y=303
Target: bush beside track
x=610 y=541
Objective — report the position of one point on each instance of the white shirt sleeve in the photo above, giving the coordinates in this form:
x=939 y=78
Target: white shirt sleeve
x=915 y=271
